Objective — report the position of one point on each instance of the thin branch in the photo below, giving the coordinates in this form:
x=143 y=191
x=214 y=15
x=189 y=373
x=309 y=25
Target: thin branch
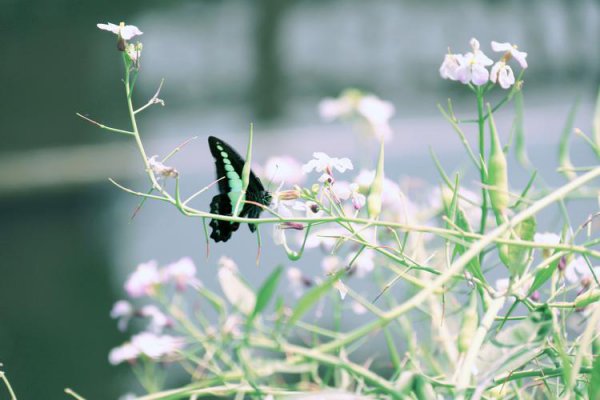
x=102 y=126
x=154 y=99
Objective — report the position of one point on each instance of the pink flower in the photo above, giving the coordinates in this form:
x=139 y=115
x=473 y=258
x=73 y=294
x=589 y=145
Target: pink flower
x=183 y=273
x=144 y=280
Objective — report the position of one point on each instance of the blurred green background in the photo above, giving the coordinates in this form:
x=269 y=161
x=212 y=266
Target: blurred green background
x=66 y=241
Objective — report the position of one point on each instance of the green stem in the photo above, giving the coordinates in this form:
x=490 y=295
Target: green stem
x=8 y=386
x=466 y=368
x=484 y=200
x=136 y=133
x=460 y=263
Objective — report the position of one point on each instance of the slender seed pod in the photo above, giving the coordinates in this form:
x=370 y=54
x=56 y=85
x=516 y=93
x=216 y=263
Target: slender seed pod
x=587 y=298
x=469 y=324
x=374 y=198
x=422 y=389
x=497 y=171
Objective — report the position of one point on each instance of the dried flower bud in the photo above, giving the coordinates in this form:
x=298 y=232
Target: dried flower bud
x=562 y=263
x=292 y=225
x=292 y=194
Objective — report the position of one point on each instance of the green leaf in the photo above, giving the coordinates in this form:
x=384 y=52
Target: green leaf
x=474 y=267
x=542 y=275
x=312 y=296
x=516 y=258
x=265 y=293
x=563 y=154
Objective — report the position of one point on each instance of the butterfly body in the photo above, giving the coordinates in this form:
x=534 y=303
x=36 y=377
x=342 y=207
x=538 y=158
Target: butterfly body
x=229 y=165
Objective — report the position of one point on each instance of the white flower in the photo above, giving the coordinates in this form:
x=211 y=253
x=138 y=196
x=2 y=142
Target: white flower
x=236 y=291
x=502 y=285
x=284 y=169
x=378 y=113
x=331 y=109
x=503 y=74
x=578 y=270
x=123 y=311
x=473 y=68
x=157 y=346
x=161 y=169
x=449 y=68
x=546 y=238
x=125 y=31
x=126 y=352
x=144 y=280
x=358 y=308
x=325 y=164
x=158 y=320
x=520 y=56
x=183 y=273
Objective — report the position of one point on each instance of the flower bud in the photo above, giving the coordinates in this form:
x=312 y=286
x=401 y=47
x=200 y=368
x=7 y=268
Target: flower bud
x=292 y=225
x=469 y=324
x=497 y=171
x=292 y=194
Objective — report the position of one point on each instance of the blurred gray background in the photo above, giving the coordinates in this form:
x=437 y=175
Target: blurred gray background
x=66 y=240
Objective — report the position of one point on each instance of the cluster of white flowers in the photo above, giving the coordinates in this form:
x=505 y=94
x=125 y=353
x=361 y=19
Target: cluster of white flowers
x=146 y=280
x=148 y=344
x=472 y=66
x=147 y=277
x=368 y=107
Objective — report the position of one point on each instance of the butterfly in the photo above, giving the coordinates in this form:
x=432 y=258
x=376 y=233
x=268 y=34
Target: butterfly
x=229 y=165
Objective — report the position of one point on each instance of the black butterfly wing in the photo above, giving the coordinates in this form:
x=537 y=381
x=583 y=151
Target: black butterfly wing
x=221 y=151
x=221 y=230
x=229 y=165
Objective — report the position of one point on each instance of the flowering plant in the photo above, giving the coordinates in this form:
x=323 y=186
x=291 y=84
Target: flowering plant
x=434 y=324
